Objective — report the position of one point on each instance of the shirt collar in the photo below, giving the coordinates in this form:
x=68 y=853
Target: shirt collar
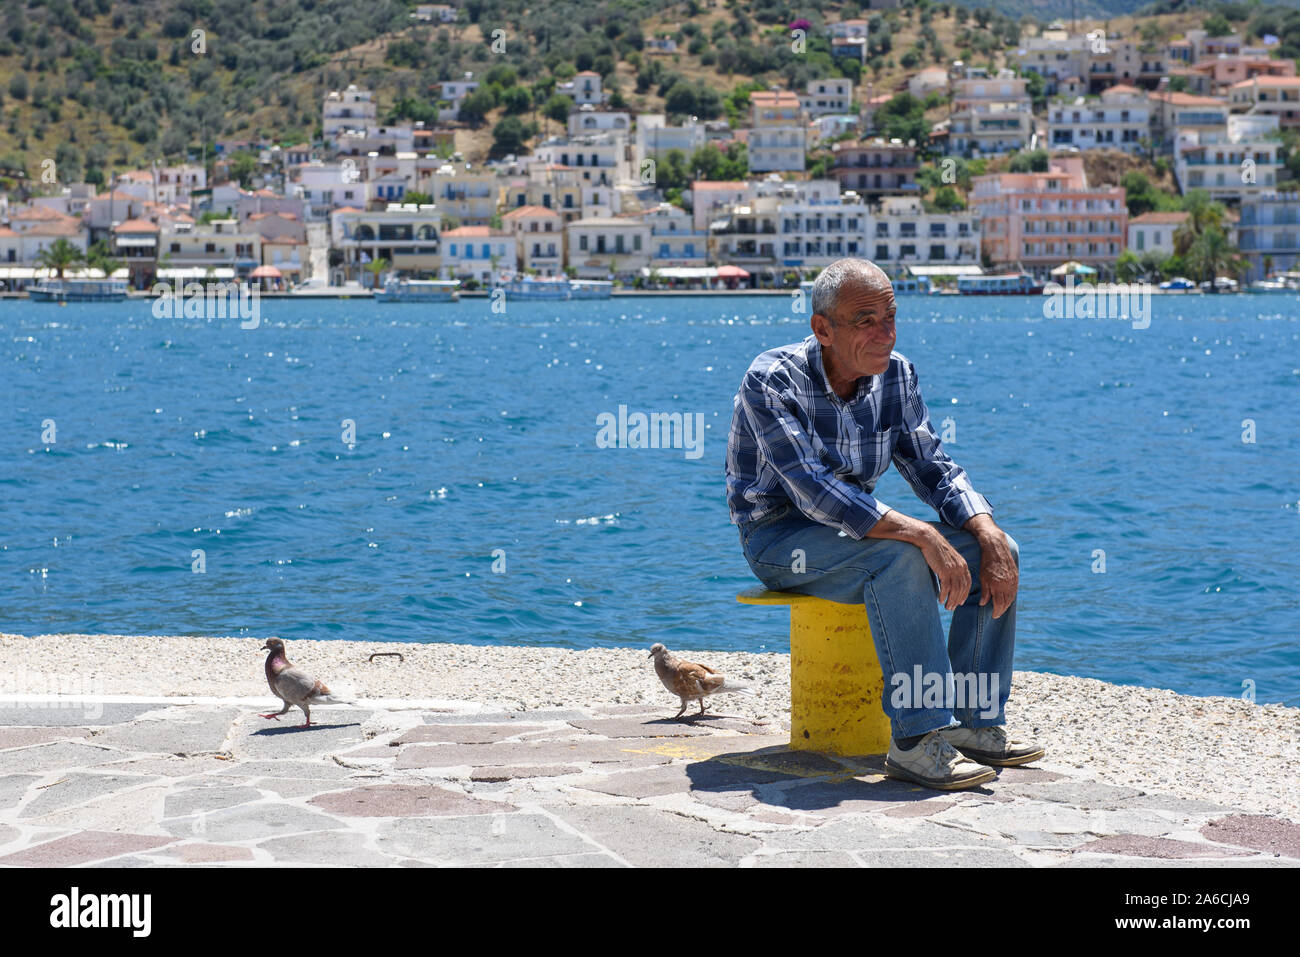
x=815 y=362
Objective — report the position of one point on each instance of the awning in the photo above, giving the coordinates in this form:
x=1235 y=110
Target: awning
x=196 y=272
x=954 y=270
x=136 y=242
x=265 y=272
x=732 y=272
x=683 y=272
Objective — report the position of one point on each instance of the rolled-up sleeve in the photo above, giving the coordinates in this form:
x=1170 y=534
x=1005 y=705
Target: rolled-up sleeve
x=784 y=447
x=919 y=457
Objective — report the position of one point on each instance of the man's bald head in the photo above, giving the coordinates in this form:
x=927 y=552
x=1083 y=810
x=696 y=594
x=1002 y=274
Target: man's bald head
x=841 y=275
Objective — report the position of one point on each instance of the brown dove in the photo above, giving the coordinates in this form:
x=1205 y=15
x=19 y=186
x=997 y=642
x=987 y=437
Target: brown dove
x=689 y=680
x=292 y=685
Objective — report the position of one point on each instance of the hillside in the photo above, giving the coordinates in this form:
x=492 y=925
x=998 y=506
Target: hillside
x=102 y=85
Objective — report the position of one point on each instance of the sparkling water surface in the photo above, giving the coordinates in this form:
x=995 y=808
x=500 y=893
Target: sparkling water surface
x=475 y=448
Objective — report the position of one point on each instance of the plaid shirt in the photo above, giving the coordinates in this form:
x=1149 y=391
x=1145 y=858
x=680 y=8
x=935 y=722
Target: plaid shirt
x=794 y=441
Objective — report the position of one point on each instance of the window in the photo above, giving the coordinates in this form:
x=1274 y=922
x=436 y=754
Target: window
x=582 y=242
x=882 y=252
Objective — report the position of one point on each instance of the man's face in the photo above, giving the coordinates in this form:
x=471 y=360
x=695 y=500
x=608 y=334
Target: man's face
x=861 y=335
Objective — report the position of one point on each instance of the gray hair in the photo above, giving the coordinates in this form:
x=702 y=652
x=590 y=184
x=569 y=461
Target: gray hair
x=831 y=280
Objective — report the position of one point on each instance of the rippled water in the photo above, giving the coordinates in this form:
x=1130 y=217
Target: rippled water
x=475 y=444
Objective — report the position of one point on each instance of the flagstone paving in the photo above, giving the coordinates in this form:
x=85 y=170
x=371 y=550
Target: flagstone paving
x=217 y=786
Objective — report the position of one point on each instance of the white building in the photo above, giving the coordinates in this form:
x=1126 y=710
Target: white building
x=585 y=88
x=1120 y=118
x=404 y=234
x=1242 y=163
x=600 y=158
x=539 y=239
x=601 y=245
x=1154 y=232
x=814 y=234
x=351 y=109
x=990 y=114
x=325 y=187
x=470 y=252
x=588 y=119
x=778 y=136
x=655 y=138
x=827 y=96
x=902 y=233
x=467 y=194
x=674 y=240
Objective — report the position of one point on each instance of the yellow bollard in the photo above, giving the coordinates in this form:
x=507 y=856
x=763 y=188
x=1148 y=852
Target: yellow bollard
x=836 y=685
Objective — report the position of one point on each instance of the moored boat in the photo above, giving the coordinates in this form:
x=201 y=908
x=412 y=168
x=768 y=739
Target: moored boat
x=419 y=290
x=1007 y=284
x=78 y=290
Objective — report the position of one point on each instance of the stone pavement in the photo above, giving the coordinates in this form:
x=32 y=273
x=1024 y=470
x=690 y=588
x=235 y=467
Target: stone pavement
x=157 y=784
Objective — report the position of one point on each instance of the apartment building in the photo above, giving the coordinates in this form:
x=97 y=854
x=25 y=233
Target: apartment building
x=901 y=233
x=602 y=245
x=1036 y=221
x=1241 y=161
x=1268 y=233
x=778 y=136
x=475 y=252
x=826 y=97
x=404 y=234
x=347 y=110
x=1175 y=113
x=539 y=238
x=1274 y=95
x=990 y=114
x=876 y=167
x=1120 y=118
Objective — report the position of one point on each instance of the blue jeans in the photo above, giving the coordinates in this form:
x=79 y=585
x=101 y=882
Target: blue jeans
x=927 y=683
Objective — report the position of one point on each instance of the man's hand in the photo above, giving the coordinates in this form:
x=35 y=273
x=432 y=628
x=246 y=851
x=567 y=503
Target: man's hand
x=944 y=560
x=950 y=568
x=999 y=575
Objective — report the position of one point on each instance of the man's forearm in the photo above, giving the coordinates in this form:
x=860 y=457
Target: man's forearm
x=903 y=528
x=982 y=527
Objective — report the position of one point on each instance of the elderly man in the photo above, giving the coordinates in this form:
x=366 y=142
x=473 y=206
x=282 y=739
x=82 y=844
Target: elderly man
x=815 y=425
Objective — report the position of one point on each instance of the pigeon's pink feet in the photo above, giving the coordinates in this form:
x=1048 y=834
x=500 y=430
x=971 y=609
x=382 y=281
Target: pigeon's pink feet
x=274 y=714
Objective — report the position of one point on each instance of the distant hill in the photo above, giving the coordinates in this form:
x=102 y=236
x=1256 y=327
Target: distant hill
x=100 y=85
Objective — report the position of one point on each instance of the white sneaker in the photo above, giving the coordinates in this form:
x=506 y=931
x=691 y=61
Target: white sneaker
x=935 y=764
x=992 y=746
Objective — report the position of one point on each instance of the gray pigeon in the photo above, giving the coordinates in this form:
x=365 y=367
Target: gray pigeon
x=689 y=680
x=292 y=685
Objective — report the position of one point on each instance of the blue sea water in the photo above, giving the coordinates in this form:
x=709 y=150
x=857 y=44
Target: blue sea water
x=475 y=446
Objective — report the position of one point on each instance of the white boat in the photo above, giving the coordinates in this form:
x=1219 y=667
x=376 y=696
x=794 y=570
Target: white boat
x=912 y=286
x=1008 y=284
x=590 y=288
x=1269 y=285
x=78 y=290
x=419 y=290
x=557 y=287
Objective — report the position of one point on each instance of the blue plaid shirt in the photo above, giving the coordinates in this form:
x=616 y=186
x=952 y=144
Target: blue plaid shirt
x=794 y=441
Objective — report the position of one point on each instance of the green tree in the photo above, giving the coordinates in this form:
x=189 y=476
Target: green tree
x=375 y=267
x=1212 y=255
x=509 y=136
x=558 y=108
x=1128 y=268
x=1203 y=214
x=243 y=167
x=59 y=255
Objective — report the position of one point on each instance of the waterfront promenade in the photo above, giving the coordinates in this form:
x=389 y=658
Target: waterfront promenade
x=464 y=755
